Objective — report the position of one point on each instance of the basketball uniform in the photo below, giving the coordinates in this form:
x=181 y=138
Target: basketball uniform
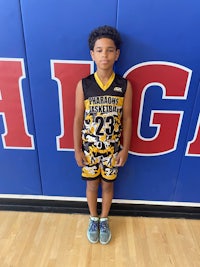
x=102 y=125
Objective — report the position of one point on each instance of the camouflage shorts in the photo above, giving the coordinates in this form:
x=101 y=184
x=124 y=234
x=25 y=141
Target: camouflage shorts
x=101 y=161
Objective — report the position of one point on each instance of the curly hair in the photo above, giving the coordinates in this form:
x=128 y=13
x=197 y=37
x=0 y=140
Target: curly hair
x=104 y=32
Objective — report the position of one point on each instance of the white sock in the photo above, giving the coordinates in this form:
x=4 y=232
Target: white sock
x=94 y=218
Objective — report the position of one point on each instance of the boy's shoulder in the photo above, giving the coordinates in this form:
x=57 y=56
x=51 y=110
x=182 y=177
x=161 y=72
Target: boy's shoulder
x=89 y=77
x=120 y=77
x=120 y=80
x=88 y=81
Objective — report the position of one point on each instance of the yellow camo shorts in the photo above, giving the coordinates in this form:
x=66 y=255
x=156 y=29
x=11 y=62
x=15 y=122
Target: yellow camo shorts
x=101 y=162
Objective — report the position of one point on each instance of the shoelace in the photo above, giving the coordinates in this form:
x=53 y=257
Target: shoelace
x=93 y=226
x=104 y=226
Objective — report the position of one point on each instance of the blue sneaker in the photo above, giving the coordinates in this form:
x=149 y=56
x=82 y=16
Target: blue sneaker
x=93 y=230
x=105 y=234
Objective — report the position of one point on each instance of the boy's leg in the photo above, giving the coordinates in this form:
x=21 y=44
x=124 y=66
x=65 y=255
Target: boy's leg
x=93 y=228
x=92 y=193
x=107 y=196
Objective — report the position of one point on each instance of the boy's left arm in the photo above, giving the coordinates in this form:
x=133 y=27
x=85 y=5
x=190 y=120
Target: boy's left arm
x=127 y=126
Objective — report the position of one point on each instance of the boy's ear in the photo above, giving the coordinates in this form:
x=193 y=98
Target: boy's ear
x=117 y=54
x=92 y=54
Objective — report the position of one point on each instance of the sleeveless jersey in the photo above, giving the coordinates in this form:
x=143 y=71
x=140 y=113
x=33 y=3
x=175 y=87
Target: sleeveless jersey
x=103 y=111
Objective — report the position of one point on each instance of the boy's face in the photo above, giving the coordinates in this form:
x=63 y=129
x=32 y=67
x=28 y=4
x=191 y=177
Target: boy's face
x=105 y=53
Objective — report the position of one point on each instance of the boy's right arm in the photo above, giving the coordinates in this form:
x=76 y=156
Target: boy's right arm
x=78 y=125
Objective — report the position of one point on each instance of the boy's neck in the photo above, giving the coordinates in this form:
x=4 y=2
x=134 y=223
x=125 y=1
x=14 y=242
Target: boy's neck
x=104 y=76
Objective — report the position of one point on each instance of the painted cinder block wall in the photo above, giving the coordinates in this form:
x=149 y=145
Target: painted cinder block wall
x=44 y=52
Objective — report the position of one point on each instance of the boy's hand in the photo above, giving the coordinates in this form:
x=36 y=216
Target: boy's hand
x=121 y=158
x=80 y=158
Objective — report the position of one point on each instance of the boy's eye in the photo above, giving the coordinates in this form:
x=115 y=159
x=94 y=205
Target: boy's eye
x=108 y=50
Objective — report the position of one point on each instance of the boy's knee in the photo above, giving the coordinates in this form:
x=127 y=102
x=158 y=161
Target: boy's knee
x=107 y=187
x=93 y=185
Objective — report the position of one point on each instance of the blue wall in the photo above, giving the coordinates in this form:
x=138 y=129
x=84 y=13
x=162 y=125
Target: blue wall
x=160 y=50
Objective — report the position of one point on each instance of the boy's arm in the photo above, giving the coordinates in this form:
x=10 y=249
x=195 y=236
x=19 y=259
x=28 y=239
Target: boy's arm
x=127 y=126
x=78 y=125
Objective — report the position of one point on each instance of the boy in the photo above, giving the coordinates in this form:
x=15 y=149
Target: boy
x=101 y=99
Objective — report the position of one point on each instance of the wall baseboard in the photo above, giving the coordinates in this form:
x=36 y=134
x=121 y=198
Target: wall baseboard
x=117 y=209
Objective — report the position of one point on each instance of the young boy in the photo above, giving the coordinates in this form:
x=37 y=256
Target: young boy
x=101 y=100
